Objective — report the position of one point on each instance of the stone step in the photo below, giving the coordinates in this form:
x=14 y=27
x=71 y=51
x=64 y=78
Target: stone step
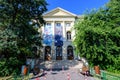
x=61 y=64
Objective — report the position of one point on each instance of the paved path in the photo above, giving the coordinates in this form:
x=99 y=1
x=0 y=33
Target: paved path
x=71 y=74
x=58 y=64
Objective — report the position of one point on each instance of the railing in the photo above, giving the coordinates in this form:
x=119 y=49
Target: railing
x=104 y=75
x=107 y=76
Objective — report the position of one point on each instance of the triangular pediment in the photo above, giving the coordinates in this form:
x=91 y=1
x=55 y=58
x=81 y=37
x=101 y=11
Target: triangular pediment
x=59 y=12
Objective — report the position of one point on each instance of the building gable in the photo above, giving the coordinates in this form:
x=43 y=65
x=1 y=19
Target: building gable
x=59 y=12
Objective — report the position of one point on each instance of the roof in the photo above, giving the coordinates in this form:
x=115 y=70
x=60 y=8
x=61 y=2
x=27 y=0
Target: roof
x=59 y=12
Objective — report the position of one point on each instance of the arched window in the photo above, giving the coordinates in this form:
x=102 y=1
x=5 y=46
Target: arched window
x=70 y=55
x=47 y=53
x=68 y=35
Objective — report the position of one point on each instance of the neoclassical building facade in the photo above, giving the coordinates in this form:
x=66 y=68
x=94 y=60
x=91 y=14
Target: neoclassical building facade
x=58 y=35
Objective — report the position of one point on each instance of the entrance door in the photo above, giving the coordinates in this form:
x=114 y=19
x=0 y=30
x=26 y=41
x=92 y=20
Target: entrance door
x=70 y=55
x=59 y=53
x=47 y=53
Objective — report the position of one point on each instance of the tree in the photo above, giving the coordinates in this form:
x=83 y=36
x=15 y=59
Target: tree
x=98 y=37
x=17 y=34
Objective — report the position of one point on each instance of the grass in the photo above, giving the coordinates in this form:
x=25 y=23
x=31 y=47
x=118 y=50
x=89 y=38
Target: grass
x=5 y=78
x=18 y=77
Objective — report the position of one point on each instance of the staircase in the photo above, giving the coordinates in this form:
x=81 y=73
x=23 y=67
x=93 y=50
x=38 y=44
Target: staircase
x=60 y=64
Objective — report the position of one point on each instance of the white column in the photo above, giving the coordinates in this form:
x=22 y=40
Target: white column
x=53 y=26
x=53 y=47
x=72 y=31
x=64 y=39
x=64 y=30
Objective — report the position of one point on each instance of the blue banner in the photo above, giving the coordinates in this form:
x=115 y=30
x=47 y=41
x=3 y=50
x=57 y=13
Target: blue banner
x=48 y=35
x=58 y=35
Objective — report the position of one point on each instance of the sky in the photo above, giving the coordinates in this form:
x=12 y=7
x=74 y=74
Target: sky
x=76 y=6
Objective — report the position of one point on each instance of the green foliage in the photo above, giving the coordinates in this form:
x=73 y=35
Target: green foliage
x=8 y=66
x=8 y=41
x=17 y=35
x=98 y=37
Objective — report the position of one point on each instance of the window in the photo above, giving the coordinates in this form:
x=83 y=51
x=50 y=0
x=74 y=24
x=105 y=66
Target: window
x=48 y=24
x=68 y=35
x=67 y=24
x=58 y=24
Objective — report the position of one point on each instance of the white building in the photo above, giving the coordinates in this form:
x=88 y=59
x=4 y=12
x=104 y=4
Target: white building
x=58 y=34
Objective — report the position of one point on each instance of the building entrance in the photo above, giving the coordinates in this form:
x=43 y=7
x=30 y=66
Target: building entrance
x=47 y=53
x=59 y=53
x=70 y=55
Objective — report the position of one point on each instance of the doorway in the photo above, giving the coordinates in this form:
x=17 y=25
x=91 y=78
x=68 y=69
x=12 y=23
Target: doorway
x=59 y=53
x=70 y=55
x=47 y=53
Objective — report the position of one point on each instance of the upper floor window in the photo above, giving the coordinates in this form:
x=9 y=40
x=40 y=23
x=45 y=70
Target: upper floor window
x=48 y=24
x=67 y=24
x=68 y=35
x=58 y=24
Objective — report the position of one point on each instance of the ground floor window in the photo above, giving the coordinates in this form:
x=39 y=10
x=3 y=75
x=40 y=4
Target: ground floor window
x=59 y=53
x=47 y=53
x=70 y=55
